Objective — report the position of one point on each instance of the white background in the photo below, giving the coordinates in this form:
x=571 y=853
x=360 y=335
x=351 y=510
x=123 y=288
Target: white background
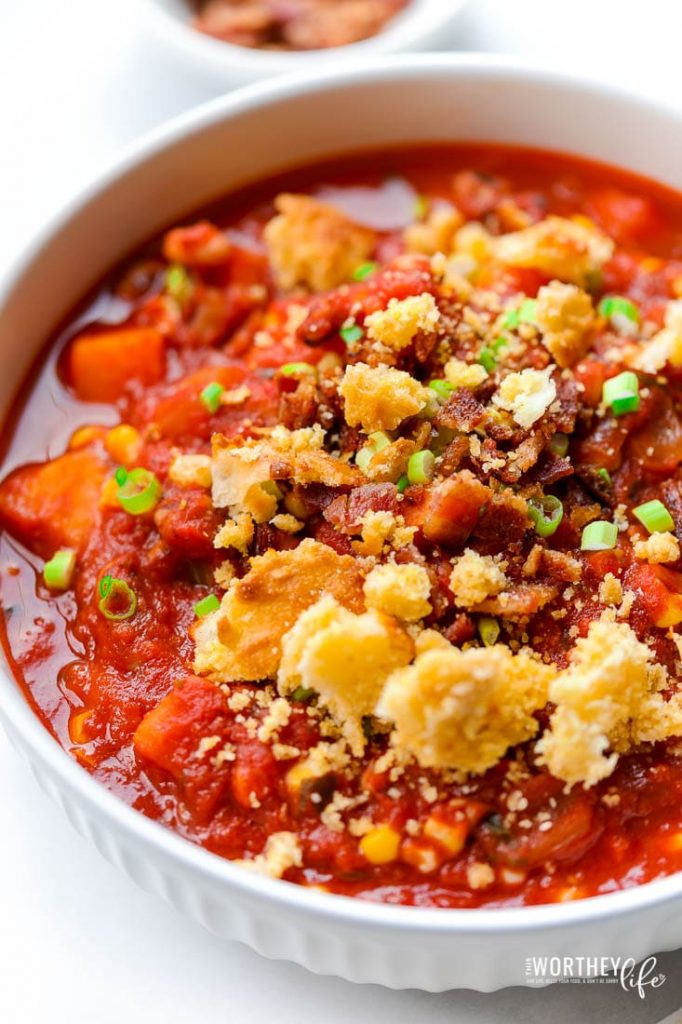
x=79 y=79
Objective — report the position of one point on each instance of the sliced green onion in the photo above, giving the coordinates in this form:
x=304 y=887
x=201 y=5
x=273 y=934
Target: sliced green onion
x=58 y=572
x=403 y=483
x=121 y=475
x=510 y=320
x=364 y=270
x=421 y=467
x=546 y=513
x=488 y=630
x=558 y=444
x=376 y=443
x=528 y=310
x=604 y=475
x=118 y=601
x=654 y=516
x=297 y=369
x=498 y=343
x=178 y=283
x=599 y=536
x=206 y=606
x=210 y=396
x=487 y=359
x=618 y=306
x=443 y=388
x=379 y=440
x=351 y=334
x=140 y=492
x=302 y=693
x=622 y=393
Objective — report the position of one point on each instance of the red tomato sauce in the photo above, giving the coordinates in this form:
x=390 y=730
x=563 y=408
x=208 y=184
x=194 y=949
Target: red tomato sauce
x=93 y=681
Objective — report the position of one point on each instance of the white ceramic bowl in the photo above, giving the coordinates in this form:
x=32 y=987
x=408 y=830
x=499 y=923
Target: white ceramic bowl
x=195 y=159
x=423 y=25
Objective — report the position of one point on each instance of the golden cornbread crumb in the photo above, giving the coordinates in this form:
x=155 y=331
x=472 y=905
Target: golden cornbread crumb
x=396 y=326
x=665 y=347
x=463 y=709
x=381 y=529
x=345 y=658
x=224 y=574
x=380 y=397
x=282 y=851
x=287 y=523
x=399 y=590
x=658 y=548
x=527 y=395
x=610 y=590
x=474 y=578
x=235 y=533
x=313 y=244
x=569 y=250
x=464 y=375
x=277 y=717
x=436 y=233
x=565 y=316
x=480 y=875
x=242 y=640
x=190 y=470
x=607 y=701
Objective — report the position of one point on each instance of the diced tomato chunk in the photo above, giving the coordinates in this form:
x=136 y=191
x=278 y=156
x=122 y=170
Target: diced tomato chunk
x=626 y=217
x=101 y=365
x=53 y=504
x=659 y=592
x=170 y=732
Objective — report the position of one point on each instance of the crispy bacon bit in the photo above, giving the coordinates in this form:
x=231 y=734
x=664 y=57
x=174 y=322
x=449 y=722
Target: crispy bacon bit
x=461 y=412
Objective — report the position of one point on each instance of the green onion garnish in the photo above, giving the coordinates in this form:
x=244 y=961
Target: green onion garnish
x=510 y=320
x=546 y=513
x=528 y=311
x=403 y=483
x=210 y=396
x=376 y=443
x=558 y=443
x=604 y=475
x=488 y=630
x=351 y=334
x=599 y=536
x=297 y=369
x=443 y=388
x=618 y=306
x=654 y=516
x=487 y=359
x=140 y=492
x=622 y=393
x=379 y=440
x=58 y=572
x=178 y=283
x=206 y=606
x=118 y=601
x=364 y=270
x=121 y=475
x=302 y=693
x=421 y=467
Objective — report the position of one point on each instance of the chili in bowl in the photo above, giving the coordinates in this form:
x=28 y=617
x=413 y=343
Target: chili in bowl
x=340 y=536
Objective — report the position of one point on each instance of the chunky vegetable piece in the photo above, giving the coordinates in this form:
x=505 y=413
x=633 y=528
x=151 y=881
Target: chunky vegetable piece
x=365 y=572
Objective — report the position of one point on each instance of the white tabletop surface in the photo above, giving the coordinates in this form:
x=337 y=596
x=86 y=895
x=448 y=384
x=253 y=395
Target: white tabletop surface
x=78 y=942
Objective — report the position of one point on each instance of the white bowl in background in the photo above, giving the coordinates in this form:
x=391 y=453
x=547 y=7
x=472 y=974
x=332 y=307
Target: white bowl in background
x=423 y=25
x=191 y=161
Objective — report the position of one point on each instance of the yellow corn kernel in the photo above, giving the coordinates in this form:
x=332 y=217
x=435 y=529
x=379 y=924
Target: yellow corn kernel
x=296 y=777
x=78 y=727
x=451 y=835
x=108 y=497
x=650 y=264
x=84 y=436
x=677 y=287
x=123 y=444
x=380 y=845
